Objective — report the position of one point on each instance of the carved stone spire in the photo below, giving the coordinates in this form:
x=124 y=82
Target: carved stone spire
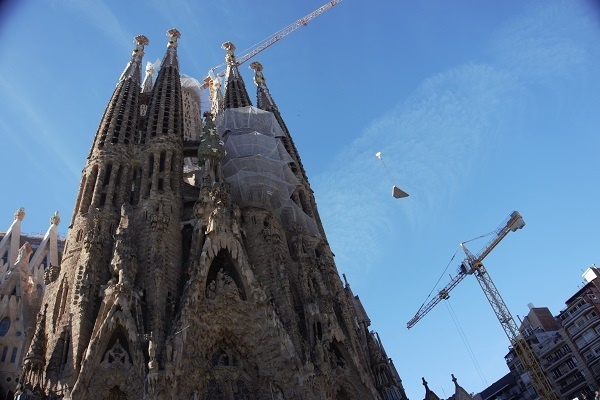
x=217 y=100
x=235 y=89
x=459 y=392
x=119 y=119
x=149 y=78
x=171 y=55
x=264 y=101
x=429 y=394
x=165 y=106
x=35 y=360
x=133 y=69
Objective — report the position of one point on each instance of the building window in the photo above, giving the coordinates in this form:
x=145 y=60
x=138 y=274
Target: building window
x=4 y=353
x=589 y=335
x=13 y=355
x=4 y=326
x=556 y=373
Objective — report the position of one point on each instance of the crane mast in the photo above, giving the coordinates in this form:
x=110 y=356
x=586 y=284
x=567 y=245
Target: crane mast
x=473 y=265
x=265 y=43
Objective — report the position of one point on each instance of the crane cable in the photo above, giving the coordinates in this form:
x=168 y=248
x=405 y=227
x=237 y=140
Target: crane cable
x=481 y=236
x=465 y=341
x=378 y=155
x=452 y=259
x=396 y=191
x=438 y=281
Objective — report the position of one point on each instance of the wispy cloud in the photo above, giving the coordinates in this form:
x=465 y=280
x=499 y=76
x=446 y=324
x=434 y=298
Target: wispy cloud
x=429 y=143
x=433 y=141
x=552 y=41
x=35 y=128
x=100 y=14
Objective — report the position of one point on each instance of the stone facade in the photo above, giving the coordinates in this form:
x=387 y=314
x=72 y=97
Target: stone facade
x=216 y=283
x=26 y=262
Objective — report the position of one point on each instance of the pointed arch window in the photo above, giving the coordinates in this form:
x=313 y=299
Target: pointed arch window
x=117 y=185
x=116 y=394
x=233 y=380
x=117 y=349
x=136 y=181
x=224 y=278
x=4 y=326
x=13 y=356
x=89 y=190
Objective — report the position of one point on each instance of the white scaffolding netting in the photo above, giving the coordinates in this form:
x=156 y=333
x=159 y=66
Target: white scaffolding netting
x=253 y=143
x=293 y=217
x=256 y=166
x=249 y=118
x=192 y=84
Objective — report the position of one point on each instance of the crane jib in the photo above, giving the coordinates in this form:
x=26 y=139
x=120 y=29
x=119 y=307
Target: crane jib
x=473 y=265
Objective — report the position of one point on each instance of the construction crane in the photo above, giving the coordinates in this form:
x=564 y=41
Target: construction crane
x=473 y=265
x=265 y=43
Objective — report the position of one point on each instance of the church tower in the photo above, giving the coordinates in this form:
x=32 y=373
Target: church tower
x=214 y=284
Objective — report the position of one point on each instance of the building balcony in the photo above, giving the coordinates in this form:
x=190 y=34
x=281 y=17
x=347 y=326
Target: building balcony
x=547 y=348
x=569 y=319
x=583 y=344
x=590 y=322
x=595 y=369
x=558 y=360
x=591 y=359
x=573 y=386
x=566 y=374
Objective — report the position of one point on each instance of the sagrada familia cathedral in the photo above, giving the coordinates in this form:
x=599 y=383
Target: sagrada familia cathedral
x=196 y=265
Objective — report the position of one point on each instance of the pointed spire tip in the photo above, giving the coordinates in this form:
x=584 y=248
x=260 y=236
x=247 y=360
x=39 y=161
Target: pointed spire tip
x=173 y=35
x=140 y=41
x=230 y=56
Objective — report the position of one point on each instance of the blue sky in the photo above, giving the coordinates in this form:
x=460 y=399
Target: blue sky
x=478 y=107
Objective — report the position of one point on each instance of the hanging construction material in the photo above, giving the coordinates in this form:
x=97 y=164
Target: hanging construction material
x=396 y=191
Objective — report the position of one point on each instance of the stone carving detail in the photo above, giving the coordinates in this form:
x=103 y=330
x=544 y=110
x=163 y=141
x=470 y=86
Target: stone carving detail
x=94 y=238
x=116 y=354
x=299 y=250
x=230 y=47
x=51 y=274
x=211 y=152
x=55 y=219
x=222 y=285
x=20 y=214
x=124 y=263
x=219 y=219
x=159 y=220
